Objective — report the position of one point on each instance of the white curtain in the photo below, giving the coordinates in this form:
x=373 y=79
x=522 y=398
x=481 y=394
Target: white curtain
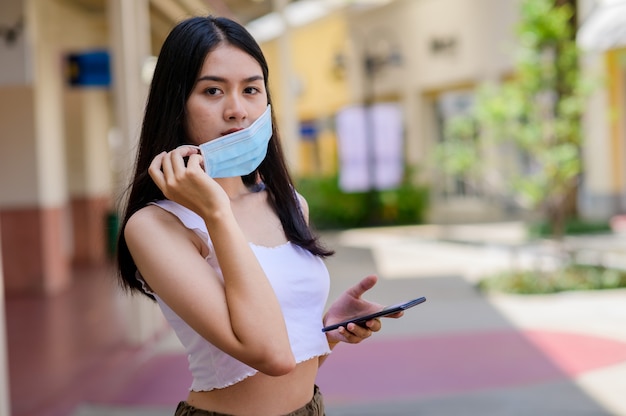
x=370 y=145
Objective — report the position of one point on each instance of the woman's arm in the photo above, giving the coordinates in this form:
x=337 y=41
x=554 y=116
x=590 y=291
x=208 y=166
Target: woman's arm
x=241 y=316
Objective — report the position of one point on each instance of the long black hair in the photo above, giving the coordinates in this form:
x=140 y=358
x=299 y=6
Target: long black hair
x=180 y=60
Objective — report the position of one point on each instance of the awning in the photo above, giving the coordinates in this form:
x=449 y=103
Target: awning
x=605 y=27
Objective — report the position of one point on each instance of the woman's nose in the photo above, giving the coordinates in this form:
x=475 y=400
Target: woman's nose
x=235 y=109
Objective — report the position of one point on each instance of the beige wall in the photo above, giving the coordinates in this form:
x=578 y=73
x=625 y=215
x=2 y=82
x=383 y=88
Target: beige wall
x=596 y=127
x=18 y=173
x=15 y=58
x=87 y=128
x=481 y=32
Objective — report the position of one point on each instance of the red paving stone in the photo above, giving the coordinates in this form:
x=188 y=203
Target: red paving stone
x=457 y=363
x=57 y=345
x=162 y=380
x=575 y=354
x=70 y=349
x=410 y=367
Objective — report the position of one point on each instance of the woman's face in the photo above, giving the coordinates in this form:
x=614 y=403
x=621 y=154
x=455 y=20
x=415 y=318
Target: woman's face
x=229 y=95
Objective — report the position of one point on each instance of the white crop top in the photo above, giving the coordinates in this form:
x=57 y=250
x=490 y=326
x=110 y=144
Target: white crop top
x=301 y=283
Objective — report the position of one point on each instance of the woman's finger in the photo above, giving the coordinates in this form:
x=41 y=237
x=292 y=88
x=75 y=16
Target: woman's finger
x=166 y=165
x=396 y=315
x=155 y=170
x=181 y=155
x=374 y=325
x=363 y=286
x=177 y=159
x=195 y=160
x=187 y=150
x=356 y=333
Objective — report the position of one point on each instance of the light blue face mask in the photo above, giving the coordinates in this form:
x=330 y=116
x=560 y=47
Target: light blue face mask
x=238 y=153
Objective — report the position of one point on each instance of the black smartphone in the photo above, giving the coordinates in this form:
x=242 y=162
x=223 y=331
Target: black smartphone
x=388 y=310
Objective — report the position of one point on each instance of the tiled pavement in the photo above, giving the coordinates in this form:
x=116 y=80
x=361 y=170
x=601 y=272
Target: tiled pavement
x=460 y=353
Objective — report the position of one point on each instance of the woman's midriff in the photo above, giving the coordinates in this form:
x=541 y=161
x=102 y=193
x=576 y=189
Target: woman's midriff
x=261 y=394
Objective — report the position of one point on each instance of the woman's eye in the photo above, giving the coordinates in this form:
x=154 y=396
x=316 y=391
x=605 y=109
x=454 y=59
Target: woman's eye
x=251 y=90
x=212 y=91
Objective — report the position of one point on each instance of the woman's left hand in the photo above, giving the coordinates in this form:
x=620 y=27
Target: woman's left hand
x=349 y=305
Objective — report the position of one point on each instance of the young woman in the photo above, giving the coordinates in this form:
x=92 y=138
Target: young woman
x=215 y=232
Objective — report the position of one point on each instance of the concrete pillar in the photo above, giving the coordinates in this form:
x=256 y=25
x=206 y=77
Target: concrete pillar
x=129 y=24
x=33 y=191
x=88 y=123
x=130 y=45
x=5 y=402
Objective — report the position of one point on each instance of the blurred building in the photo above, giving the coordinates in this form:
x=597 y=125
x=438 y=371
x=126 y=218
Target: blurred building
x=429 y=56
x=74 y=76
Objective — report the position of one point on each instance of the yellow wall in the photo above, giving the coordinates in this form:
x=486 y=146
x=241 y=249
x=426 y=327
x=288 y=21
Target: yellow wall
x=616 y=62
x=321 y=87
x=315 y=49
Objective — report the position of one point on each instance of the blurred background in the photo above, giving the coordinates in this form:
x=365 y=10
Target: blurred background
x=392 y=113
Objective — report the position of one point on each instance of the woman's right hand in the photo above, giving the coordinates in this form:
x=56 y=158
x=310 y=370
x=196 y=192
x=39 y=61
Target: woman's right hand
x=186 y=182
x=237 y=312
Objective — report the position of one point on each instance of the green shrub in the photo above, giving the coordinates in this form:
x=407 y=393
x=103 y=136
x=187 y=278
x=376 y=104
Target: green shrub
x=331 y=208
x=570 y=278
x=572 y=227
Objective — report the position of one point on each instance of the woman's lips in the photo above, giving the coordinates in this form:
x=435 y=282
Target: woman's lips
x=231 y=131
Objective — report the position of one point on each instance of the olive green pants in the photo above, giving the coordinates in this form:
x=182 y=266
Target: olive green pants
x=313 y=408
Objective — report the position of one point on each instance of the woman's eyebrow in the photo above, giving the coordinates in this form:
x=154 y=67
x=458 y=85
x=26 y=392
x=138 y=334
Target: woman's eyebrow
x=223 y=80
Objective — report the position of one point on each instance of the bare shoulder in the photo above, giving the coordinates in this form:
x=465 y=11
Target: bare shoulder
x=150 y=215
x=149 y=219
x=152 y=225
x=304 y=205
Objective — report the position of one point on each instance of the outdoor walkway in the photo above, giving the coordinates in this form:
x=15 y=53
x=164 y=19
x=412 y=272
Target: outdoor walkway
x=459 y=353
